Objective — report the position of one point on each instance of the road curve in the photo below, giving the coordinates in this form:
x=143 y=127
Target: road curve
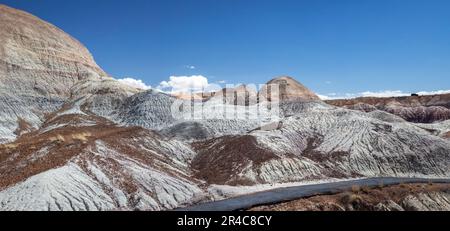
x=280 y=195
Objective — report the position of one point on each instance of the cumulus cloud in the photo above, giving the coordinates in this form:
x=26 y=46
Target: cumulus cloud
x=194 y=83
x=136 y=83
x=379 y=94
x=324 y=97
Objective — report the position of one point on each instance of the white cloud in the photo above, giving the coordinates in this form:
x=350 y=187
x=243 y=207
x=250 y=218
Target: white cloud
x=137 y=83
x=193 y=83
x=323 y=97
x=439 y=92
x=190 y=67
x=379 y=94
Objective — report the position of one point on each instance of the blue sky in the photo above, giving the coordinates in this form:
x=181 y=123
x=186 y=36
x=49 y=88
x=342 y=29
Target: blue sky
x=331 y=46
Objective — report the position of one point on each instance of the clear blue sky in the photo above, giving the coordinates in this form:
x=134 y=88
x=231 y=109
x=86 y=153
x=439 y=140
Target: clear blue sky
x=329 y=45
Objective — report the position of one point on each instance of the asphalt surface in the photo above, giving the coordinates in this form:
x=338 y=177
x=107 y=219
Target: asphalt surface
x=280 y=195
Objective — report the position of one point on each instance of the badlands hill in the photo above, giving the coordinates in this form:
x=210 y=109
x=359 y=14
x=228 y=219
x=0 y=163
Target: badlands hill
x=39 y=64
x=282 y=89
x=289 y=90
x=72 y=138
x=51 y=60
x=417 y=109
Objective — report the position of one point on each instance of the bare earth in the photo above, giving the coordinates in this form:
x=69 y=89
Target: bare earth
x=404 y=197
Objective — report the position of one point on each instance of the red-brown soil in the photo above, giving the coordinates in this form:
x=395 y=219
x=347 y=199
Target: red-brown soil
x=362 y=199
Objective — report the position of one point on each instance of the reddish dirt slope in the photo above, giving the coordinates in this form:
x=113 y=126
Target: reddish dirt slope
x=394 y=198
x=417 y=109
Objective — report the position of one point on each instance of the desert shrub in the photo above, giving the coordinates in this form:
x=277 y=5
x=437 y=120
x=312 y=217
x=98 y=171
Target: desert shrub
x=356 y=188
x=365 y=189
x=350 y=199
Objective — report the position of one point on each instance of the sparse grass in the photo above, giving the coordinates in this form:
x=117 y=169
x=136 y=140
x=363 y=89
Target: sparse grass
x=58 y=138
x=81 y=136
x=357 y=202
x=10 y=146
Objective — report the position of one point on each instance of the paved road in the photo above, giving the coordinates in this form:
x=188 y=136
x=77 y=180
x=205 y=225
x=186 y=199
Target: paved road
x=292 y=193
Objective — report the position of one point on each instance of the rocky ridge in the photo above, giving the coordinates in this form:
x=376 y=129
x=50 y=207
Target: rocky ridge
x=416 y=109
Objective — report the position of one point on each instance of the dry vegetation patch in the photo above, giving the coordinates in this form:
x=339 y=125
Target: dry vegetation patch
x=221 y=160
x=447 y=135
x=357 y=198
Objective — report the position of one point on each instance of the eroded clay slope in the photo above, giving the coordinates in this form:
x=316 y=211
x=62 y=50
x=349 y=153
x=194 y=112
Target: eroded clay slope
x=319 y=143
x=416 y=109
x=39 y=63
x=84 y=162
